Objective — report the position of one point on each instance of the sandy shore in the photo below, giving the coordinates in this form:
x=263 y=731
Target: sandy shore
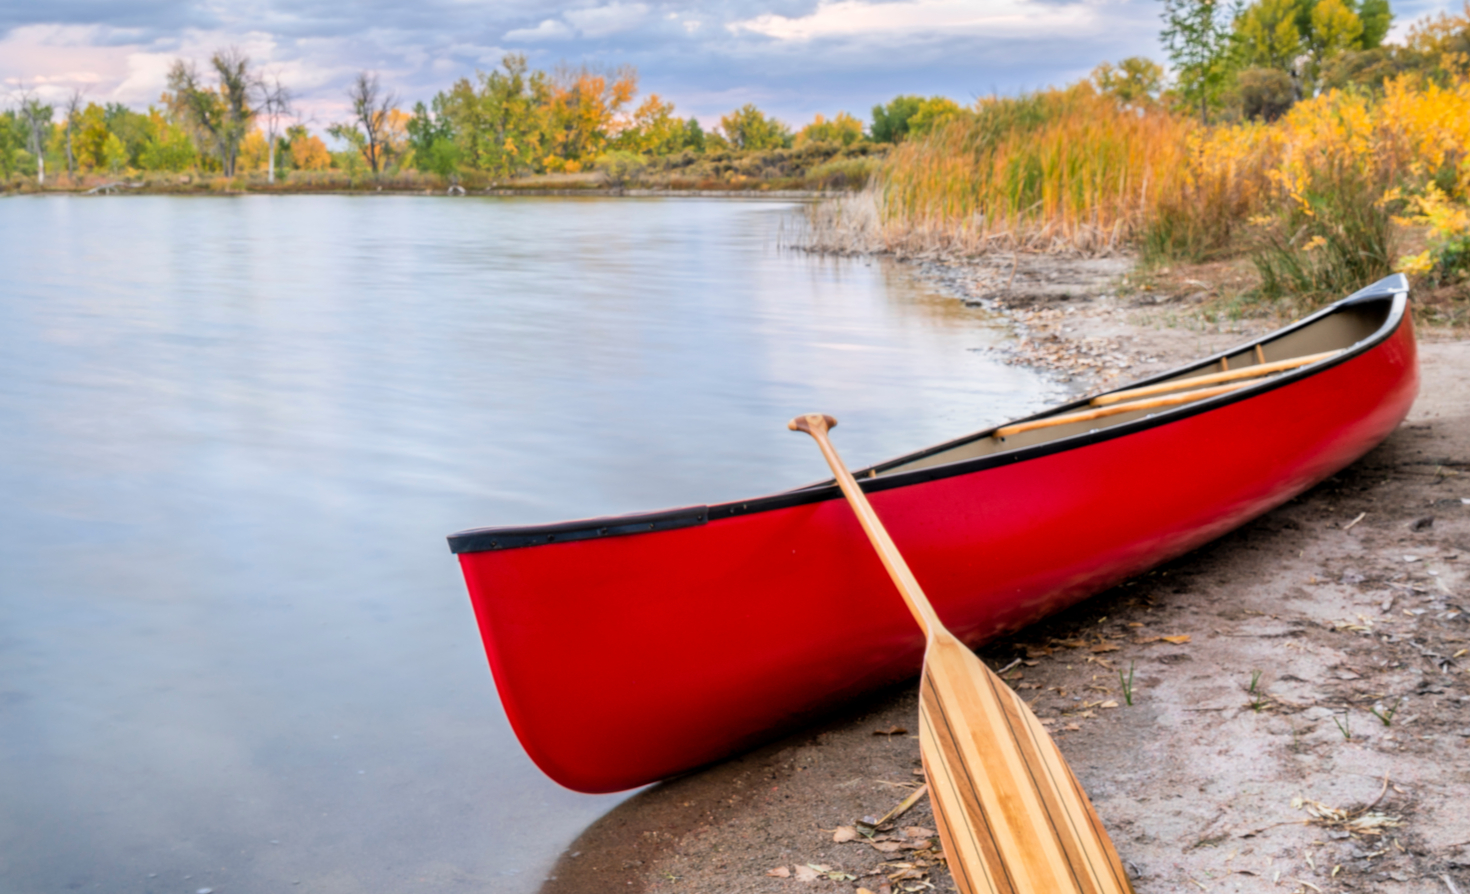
x=1253 y=756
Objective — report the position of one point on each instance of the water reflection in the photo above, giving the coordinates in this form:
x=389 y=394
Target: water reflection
x=234 y=650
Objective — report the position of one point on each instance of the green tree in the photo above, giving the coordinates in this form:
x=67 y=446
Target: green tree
x=693 y=135
x=220 y=114
x=748 y=128
x=133 y=128
x=431 y=139
x=1198 y=43
x=1133 y=80
x=891 y=121
x=499 y=125
x=11 y=140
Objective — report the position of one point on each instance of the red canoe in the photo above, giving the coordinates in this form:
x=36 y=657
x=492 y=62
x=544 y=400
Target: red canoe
x=634 y=648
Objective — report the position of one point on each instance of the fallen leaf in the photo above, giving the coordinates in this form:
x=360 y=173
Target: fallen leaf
x=1070 y=643
x=918 y=832
x=844 y=833
x=891 y=731
x=1104 y=647
x=779 y=872
x=1072 y=727
x=863 y=891
x=887 y=847
x=806 y=874
x=1179 y=640
x=1145 y=640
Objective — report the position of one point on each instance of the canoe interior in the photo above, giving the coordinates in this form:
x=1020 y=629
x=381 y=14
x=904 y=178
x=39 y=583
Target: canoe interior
x=1342 y=329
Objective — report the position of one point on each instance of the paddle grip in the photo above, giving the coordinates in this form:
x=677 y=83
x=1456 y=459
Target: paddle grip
x=806 y=423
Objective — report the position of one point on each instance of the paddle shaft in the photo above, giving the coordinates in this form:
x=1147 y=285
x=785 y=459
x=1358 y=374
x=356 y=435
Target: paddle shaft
x=817 y=425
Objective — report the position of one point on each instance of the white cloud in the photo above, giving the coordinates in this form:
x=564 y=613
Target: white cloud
x=600 y=21
x=857 y=19
x=550 y=29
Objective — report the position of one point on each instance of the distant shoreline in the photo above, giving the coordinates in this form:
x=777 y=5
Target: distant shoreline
x=499 y=192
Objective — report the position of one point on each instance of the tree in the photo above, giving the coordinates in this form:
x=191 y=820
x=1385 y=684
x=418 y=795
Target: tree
x=431 y=139
x=37 y=121
x=499 y=126
x=582 y=113
x=10 y=139
x=931 y=113
x=748 y=128
x=220 y=115
x=1134 y=80
x=1198 y=45
x=842 y=129
x=654 y=130
x=73 y=108
x=274 y=100
x=369 y=130
x=1267 y=36
x=308 y=152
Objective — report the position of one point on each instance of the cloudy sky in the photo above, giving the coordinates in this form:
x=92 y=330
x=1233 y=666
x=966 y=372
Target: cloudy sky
x=794 y=58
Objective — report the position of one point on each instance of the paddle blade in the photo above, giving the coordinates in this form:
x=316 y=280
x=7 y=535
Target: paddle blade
x=1011 y=816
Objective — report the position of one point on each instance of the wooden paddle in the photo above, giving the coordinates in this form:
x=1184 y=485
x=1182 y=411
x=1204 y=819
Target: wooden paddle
x=1012 y=817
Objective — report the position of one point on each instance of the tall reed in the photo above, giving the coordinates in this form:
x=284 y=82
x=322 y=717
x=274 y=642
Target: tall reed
x=1059 y=169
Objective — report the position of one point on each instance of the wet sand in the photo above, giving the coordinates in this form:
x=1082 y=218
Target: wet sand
x=1255 y=754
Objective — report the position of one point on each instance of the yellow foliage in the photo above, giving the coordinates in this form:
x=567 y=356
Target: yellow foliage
x=253 y=153
x=309 y=153
x=842 y=128
x=1072 y=168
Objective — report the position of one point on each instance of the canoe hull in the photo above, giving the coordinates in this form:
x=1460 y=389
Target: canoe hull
x=624 y=660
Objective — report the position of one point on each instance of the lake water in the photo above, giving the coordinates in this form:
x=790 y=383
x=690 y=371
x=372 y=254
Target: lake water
x=235 y=651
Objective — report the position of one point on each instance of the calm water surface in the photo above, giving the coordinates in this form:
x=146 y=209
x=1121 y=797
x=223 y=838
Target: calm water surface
x=234 y=649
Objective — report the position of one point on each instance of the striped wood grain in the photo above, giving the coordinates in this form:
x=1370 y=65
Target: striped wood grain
x=1012 y=817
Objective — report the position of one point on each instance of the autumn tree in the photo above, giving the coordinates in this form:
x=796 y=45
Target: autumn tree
x=36 y=120
x=220 y=115
x=653 y=129
x=583 y=112
x=749 y=128
x=842 y=129
x=369 y=129
x=308 y=152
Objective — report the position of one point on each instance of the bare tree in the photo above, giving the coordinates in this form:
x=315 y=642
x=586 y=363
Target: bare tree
x=73 y=109
x=369 y=129
x=37 y=119
x=275 y=104
x=222 y=115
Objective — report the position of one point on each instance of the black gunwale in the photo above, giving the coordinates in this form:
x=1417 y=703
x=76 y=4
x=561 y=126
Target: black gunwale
x=1394 y=288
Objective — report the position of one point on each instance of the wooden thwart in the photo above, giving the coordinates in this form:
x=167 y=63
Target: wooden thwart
x=1124 y=402
x=1011 y=816
x=1246 y=372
